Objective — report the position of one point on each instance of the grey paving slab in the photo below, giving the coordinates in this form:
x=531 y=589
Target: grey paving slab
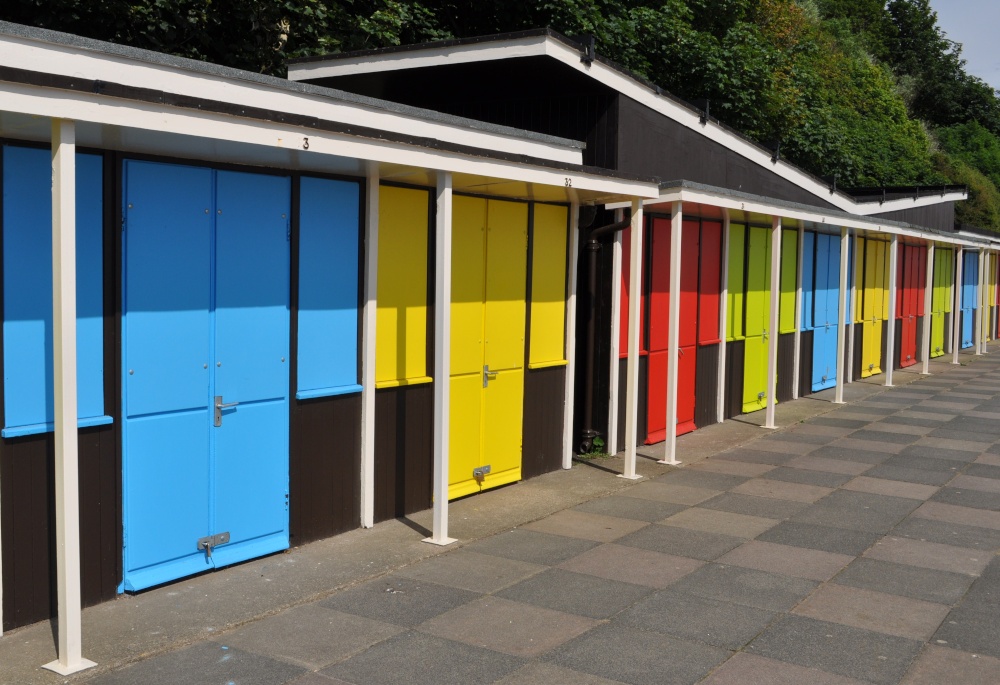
x=766 y=507
x=311 y=636
x=576 y=593
x=844 y=650
x=721 y=624
x=798 y=435
x=987 y=459
x=940 y=511
x=701 y=479
x=903 y=419
x=682 y=542
x=885 y=613
x=399 y=600
x=882 y=436
x=837 y=451
x=858 y=511
x=507 y=626
x=317 y=679
x=722 y=522
x=668 y=492
x=967 y=497
x=983 y=471
x=944 y=453
x=945 y=437
x=929 y=555
x=837 y=423
x=638 y=657
x=783 y=446
x=753 y=456
x=949 y=533
x=471 y=571
x=736 y=468
x=788 y=560
x=749 y=587
x=806 y=477
x=974 y=426
x=632 y=565
x=817 y=463
x=622 y=506
x=865 y=446
x=752 y=669
x=930 y=585
x=417 y=659
x=579 y=524
x=913 y=428
x=820 y=537
x=985 y=591
x=538 y=673
x=893 y=488
x=971 y=629
x=213 y=663
x=937 y=665
x=912 y=475
x=783 y=489
x=534 y=547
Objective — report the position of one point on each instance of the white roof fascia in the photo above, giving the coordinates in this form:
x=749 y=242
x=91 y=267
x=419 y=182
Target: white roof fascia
x=869 y=208
x=108 y=111
x=53 y=58
x=529 y=46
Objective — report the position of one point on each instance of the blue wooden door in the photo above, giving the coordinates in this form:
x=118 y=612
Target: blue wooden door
x=205 y=315
x=970 y=285
x=825 y=309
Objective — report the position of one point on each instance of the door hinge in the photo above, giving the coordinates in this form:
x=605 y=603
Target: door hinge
x=209 y=541
x=480 y=473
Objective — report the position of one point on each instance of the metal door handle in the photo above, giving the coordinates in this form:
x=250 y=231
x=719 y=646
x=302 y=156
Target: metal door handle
x=219 y=406
x=488 y=375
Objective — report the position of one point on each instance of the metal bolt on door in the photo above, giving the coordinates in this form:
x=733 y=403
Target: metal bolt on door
x=205 y=339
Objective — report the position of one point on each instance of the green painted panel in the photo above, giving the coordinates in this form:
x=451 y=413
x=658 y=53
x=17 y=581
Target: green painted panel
x=789 y=262
x=735 y=289
x=758 y=312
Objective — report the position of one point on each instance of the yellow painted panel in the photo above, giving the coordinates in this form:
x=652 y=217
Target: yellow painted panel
x=885 y=251
x=468 y=266
x=870 y=282
x=734 y=281
x=859 y=279
x=548 y=285
x=502 y=428
x=465 y=434
x=506 y=272
x=871 y=348
x=789 y=264
x=755 y=374
x=401 y=316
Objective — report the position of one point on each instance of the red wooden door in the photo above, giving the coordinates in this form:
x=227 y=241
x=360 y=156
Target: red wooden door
x=908 y=299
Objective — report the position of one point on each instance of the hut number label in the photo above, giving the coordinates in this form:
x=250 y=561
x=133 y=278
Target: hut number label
x=569 y=182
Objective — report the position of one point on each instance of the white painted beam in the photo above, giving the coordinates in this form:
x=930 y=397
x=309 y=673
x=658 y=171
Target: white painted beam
x=925 y=343
x=890 y=334
x=673 y=332
x=845 y=243
x=956 y=329
x=67 y=478
x=570 y=389
x=772 y=330
x=723 y=315
x=614 y=363
x=980 y=301
x=368 y=337
x=634 y=308
x=442 y=359
x=851 y=257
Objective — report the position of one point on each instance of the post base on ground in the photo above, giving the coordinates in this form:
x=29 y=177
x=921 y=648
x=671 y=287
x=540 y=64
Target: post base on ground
x=443 y=542
x=635 y=477
x=771 y=428
x=669 y=462
x=82 y=665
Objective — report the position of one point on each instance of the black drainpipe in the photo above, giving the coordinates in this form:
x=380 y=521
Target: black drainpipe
x=593 y=247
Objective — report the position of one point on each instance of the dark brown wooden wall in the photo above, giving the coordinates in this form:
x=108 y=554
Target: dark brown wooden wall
x=544 y=409
x=643 y=427
x=735 y=354
x=404 y=450
x=805 y=363
x=940 y=216
x=706 y=386
x=786 y=367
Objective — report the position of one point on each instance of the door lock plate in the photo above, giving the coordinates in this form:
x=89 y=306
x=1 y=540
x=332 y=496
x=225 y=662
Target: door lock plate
x=209 y=541
x=480 y=472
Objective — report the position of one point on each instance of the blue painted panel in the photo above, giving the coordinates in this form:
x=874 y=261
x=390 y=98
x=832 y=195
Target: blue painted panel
x=850 y=279
x=820 y=306
x=970 y=280
x=27 y=269
x=808 y=278
x=833 y=280
x=328 y=286
x=166 y=484
x=168 y=258
x=824 y=358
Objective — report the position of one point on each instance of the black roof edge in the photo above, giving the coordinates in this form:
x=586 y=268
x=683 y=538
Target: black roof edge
x=881 y=193
x=566 y=40
x=164 y=59
x=977 y=230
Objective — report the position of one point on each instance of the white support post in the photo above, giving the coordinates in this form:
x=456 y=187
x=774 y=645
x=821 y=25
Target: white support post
x=925 y=343
x=634 y=307
x=890 y=334
x=772 y=326
x=442 y=359
x=845 y=243
x=797 y=356
x=368 y=318
x=956 y=329
x=673 y=333
x=67 y=491
x=723 y=316
x=850 y=257
x=980 y=301
x=616 y=318
x=574 y=256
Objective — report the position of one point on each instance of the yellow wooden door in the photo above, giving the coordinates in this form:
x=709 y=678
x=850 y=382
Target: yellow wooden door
x=875 y=307
x=489 y=272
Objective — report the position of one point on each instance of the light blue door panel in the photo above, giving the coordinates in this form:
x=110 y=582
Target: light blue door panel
x=167 y=483
x=808 y=279
x=824 y=358
x=833 y=280
x=820 y=314
x=168 y=245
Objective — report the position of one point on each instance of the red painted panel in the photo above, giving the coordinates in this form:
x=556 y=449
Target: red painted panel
x=656 y=404
x=711 y=282
x=900 y=280
x=686 y=373
x=921 y=279
x=659 y=289
x=623 y=304
x=690 y=244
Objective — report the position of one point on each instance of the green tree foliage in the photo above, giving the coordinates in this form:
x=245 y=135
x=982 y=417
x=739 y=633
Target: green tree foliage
x=973 y=144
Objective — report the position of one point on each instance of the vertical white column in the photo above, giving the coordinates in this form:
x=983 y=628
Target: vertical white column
x=368 y=318
x=956 y=329
x=890 y=334
x=838 y=393
x=925 y=342
x=614 y=363
x=634 y=307
x=574 y=256
x=980 y=302
x=723 y=315
x=772 y=326
x=673 y=332
x=844 y=249
x=797 y=358
x=70 y=637
x=442 y=359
